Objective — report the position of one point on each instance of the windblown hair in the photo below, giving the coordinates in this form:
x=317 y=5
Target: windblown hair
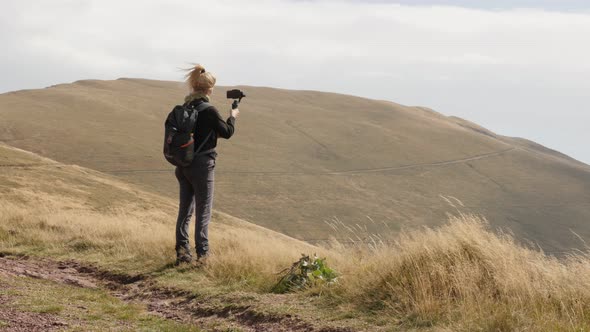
x=200 y=80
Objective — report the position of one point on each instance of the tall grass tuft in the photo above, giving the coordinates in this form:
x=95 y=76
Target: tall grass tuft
x=464 y=276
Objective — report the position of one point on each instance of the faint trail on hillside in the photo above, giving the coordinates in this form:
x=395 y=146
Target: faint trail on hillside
x=346 y=172
x=440 y=163
x=27 y=165
x=326 y=149
x=302 y=132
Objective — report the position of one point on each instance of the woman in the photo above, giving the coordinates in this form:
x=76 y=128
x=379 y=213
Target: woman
x=196 y=180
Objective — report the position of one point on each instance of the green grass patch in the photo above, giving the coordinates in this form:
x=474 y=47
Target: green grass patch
x=84 y=309
x=47 y=309
x=82 y=245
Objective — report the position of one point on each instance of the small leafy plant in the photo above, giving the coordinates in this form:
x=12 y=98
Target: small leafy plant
x=304 y=273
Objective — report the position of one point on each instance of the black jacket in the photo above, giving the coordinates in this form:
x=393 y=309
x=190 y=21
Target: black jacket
x=210 y=120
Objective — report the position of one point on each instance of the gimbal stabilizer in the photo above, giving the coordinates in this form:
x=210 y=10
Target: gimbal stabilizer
x=235 y=94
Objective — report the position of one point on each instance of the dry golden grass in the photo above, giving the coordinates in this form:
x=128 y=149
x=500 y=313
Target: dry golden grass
x=71 y=212
x=143 y=241
x=459 y=277
x=464 y=277
x=139 y=241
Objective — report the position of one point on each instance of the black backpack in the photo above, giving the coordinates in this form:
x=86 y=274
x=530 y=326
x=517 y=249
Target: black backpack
x=179 y=147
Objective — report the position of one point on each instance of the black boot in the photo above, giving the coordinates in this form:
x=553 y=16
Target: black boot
x=183 y=256
x=203 y=258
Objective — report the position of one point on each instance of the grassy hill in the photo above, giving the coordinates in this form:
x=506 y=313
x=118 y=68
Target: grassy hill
x=69 y=210
x=81 y=250
x=300 y=160
x=78 y=227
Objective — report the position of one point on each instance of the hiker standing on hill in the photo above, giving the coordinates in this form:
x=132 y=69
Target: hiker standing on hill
x=196 y=180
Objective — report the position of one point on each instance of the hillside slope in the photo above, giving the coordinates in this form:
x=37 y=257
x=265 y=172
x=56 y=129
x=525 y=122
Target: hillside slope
x=301 y=158
x=51 y=205
x=85 y=251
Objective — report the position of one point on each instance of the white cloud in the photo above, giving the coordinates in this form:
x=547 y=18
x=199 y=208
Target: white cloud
x=510 y=70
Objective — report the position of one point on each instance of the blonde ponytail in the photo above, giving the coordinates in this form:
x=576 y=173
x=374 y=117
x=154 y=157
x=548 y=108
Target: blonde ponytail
x=199 y=79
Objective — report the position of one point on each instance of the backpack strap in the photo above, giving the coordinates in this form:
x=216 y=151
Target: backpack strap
x=202 y=106
x=203 y=143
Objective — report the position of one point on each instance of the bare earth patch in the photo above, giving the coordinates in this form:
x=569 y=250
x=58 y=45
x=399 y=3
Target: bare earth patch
x=15 y=321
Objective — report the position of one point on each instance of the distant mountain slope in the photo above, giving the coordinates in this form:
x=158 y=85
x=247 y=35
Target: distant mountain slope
x=301 y=158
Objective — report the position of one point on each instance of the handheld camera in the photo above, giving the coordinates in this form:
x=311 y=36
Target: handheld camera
x=235 y=94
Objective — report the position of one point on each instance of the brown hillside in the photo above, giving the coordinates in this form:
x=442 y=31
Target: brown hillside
x=300 y=158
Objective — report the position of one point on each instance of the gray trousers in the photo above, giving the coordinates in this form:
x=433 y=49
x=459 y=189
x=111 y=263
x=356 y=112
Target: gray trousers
x=196 y=197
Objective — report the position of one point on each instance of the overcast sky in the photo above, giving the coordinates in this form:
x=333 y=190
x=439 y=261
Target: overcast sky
x=519 y=68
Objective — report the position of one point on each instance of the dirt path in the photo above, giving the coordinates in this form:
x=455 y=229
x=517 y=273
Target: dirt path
x=166 y=302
